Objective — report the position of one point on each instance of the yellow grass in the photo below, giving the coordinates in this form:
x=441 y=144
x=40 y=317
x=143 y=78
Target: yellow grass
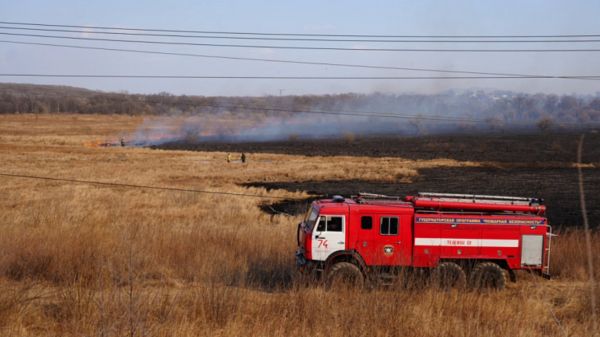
x=81 y=260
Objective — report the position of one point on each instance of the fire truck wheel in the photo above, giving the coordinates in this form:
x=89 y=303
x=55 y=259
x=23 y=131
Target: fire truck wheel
x=488 y=275
x=448 y=275
x=344 y=274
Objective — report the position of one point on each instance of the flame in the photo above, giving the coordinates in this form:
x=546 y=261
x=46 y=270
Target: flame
x=92 y=143
x=164 y=130
x=99 y=143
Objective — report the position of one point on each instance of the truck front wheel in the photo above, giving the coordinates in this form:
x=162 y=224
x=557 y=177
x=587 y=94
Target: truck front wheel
x=448 y=275
x=344 y=274
x=488 y=275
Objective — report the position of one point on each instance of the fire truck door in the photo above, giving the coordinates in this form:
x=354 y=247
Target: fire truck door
x=329 y=236
x=393 y=247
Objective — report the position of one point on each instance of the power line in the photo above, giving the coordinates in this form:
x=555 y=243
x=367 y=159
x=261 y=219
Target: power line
x=276 y=109
x=284 y=61
x=344 y=113
x=592 y=77
x=514 y=36
x=470 y=50
x=372 y=114
x=311 y=39
x=347 y=113
x=104 y=183
x=354 y=113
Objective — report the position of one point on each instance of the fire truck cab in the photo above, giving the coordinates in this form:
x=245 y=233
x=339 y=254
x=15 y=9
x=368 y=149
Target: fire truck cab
x=458 y=240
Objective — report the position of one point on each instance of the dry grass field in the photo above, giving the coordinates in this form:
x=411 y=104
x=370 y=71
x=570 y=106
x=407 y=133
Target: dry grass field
x=85 y=260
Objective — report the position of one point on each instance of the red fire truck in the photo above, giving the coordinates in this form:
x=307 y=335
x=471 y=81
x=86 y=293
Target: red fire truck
x=455 y=239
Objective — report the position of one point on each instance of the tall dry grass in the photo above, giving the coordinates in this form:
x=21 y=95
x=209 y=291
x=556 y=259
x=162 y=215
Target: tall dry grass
x=80 y=260
x=569 y=254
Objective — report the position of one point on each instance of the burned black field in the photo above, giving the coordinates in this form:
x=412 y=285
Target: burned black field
x=501 y=147
x=558 y=187
x=540 y=165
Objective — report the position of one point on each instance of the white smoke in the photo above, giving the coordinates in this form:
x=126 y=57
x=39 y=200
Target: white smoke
x=357 y=115
x=194 y=129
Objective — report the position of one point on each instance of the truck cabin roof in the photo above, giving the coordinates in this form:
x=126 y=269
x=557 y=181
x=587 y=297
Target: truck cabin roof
x=340 y=203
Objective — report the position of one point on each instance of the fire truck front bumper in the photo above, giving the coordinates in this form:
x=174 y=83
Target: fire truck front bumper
x=307 y=267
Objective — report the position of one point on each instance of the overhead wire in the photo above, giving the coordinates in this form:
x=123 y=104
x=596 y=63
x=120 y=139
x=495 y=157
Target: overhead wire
x=345 y=113
x=356 y=113
x=300 y=34
x=284 y=61
x=593 y=77
x=288 y=47
x=492 y=75
x=308 y=39
x=377 y=114
x=112 y=184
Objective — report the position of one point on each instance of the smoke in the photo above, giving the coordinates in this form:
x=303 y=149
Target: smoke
x=196 y=129
x=359 y=115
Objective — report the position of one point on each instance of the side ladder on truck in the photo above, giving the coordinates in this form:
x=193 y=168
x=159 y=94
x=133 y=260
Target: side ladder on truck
x=479 y=198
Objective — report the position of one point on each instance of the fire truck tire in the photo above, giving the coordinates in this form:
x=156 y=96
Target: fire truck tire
x=344 y=274
x=488 y=275
x=448 y=275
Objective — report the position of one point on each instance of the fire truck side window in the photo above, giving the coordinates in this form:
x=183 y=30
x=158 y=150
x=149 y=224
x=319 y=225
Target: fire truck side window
x=334 y=224
x=393 y=226
x=330 y=224
x=366 y=222
x=321 y=226
x=389 y=225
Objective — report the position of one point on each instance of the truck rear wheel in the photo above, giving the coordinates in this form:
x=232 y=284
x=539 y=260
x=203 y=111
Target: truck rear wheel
x=448 y=275
x=344 y=275
x=488 y=275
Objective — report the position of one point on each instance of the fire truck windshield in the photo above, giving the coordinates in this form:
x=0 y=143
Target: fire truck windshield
x=311 y=218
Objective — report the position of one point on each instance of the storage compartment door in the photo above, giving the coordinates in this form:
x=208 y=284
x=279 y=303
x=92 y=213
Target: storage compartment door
x=532 y=250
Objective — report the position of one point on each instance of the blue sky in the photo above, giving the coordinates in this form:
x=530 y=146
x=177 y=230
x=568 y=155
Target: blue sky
x=335 y=17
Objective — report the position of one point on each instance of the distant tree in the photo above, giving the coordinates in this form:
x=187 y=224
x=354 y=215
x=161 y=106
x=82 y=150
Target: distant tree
x=417 y=125
x=551 y=104
x=495 y=123
x=568 y=104
x=595 y=104
x=545 y=124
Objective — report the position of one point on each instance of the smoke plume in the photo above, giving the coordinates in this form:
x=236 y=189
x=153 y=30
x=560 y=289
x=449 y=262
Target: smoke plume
x=310 y=117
